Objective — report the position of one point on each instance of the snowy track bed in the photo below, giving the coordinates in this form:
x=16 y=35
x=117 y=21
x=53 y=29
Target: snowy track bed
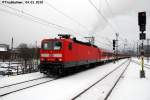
x=101 y=89
x=8 y=80
x=64 y=88
x=145 y=65
x=22 y=85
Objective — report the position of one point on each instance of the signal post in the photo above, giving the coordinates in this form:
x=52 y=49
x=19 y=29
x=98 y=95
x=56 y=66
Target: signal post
x=142 y=24
x=114 y=45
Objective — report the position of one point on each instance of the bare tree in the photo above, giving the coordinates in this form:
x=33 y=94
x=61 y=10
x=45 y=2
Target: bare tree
x=28 y=54
x=24 y=54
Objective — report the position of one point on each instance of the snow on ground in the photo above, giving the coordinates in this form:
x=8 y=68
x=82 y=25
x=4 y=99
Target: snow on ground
x=65 y=88
x=100 y=90
x=131 y=87
x=3 y=49
x=7 y=80
x=4 y=66
x=146 y=61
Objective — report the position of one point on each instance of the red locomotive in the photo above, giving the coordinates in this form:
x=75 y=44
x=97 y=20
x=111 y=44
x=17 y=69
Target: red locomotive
x=64 y=53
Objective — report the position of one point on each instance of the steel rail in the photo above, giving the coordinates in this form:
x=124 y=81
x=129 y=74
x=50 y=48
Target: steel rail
x=108 y=94
x=21 y=82
x=145 y=65
x=25 y=87
x=109 y=73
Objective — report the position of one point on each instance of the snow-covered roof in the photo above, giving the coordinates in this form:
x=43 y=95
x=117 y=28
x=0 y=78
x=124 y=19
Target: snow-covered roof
x=4 y=47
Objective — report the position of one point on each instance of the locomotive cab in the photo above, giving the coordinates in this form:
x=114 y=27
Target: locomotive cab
x=51 y=51
x=52 y=57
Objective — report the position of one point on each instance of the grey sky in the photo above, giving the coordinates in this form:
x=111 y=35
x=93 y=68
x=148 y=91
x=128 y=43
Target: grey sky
x=121 y=14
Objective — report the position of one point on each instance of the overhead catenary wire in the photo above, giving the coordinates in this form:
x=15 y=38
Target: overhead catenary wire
x=21 y=16
x=71 y=19
x=67 y=16
x=28 y=19
x=100 y=13
x=27 y=16
x=111 y=11
x=39 y=20
x=124 y=40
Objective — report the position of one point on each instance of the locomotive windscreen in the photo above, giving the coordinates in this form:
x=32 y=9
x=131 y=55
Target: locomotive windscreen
x=51 y=45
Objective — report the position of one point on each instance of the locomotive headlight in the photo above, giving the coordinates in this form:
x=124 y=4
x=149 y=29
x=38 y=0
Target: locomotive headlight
x=60 y=59
x=50 y=55
x=42 y=59
x=44 y=55
x=57 y=55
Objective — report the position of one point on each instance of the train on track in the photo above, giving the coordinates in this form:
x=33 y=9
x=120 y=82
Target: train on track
x=63 y=54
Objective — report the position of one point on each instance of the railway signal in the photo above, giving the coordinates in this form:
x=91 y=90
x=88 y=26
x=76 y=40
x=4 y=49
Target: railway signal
x=142 y=28
x=114 y=44
x=142 y=36
x=114 y=47
x=142 y=21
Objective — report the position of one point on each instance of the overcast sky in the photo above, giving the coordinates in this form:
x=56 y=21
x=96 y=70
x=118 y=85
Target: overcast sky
x=76 y=17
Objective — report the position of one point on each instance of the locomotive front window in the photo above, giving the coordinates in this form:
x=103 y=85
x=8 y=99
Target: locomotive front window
x=47 y=46
x=57 y=45
x=52 y=45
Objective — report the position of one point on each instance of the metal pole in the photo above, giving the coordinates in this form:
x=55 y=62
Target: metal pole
x=117 y=45
x=36 y=54
x=142 y=57
x=114 y=56
x=147 y=49
x=142 y=28
x=142 y=72
x=12 y=42
x=137 y=50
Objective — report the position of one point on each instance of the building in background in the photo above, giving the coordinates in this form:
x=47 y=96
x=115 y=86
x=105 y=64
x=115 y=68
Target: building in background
x=4 y=47
x=4 y=52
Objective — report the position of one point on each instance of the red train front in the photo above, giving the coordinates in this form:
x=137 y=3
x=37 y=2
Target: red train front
x=58 y=55
x=51 y=55
x=63 y=54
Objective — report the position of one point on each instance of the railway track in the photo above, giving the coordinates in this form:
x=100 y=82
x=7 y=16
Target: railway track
x=12 y=88
x=20 y=82
x=102 y=78
x=145 y=65
x=117 y=81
